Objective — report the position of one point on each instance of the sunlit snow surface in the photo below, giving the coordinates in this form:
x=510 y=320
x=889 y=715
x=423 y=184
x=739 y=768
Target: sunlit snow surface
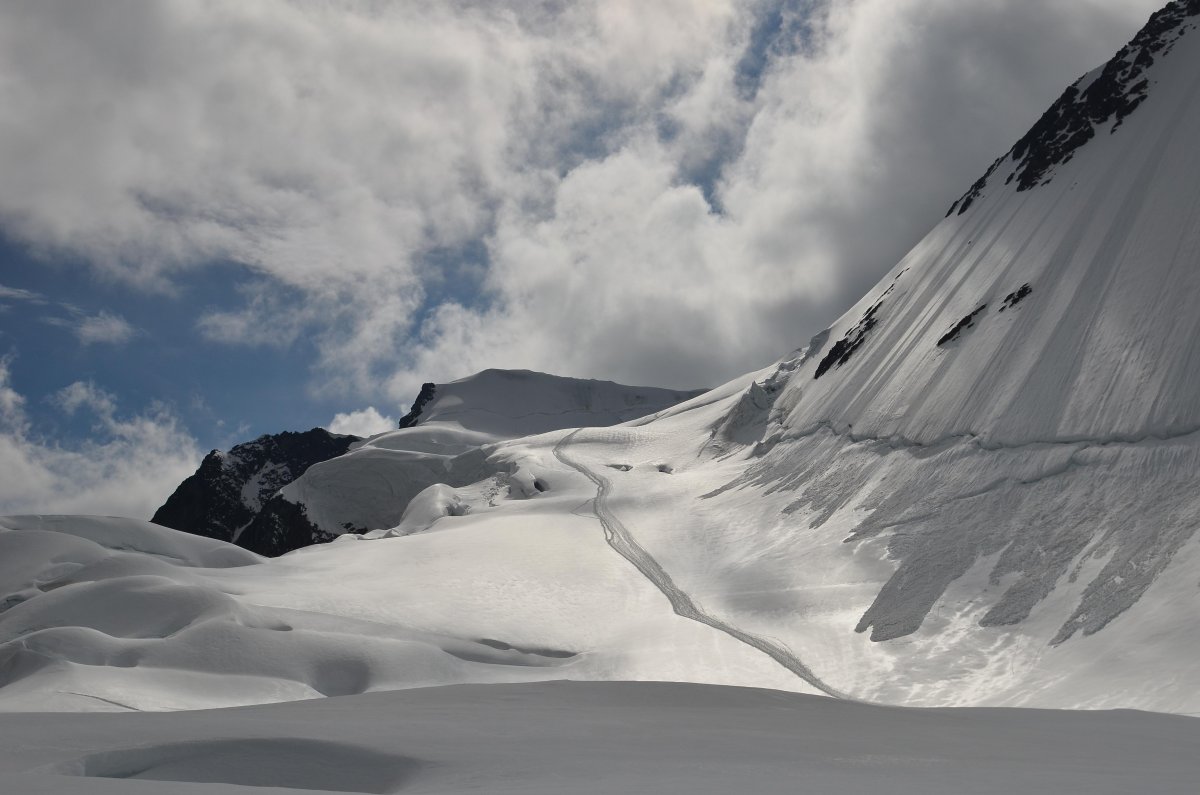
x=184 y=622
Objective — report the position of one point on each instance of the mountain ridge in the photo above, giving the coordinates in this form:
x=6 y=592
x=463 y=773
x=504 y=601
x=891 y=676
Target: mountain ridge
x=1108 y=93
x=230 y=488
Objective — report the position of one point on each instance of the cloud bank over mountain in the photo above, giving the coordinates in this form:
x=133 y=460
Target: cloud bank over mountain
x=665 y=193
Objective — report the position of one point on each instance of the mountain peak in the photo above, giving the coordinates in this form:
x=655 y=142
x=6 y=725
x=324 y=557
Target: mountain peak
x=1102 y=98
x=231 y=487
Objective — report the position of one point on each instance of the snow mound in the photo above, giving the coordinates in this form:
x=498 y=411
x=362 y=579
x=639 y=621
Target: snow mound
x=130 y=535
x=137 y=624
x=587 y=738
x=288 y=763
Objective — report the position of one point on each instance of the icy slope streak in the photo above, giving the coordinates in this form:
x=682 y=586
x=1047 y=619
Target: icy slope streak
x=1104 y=347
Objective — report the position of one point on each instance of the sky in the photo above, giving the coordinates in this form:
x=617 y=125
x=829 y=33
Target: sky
x=220 y=219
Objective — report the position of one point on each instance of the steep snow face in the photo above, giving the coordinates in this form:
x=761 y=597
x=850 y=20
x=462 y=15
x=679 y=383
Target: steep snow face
x=1099 y=100
x=997 y=444
x=370 y=488
x=1092 y=221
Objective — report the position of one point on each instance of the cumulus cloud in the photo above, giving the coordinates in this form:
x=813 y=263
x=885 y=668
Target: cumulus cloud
x=852 y=148
x=128 y=468
x=667 y=192
x=104 y=327
x=364 y=422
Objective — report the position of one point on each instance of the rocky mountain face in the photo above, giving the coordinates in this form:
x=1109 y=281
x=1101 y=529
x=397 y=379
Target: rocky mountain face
x=228 y=491
x=1100 y=100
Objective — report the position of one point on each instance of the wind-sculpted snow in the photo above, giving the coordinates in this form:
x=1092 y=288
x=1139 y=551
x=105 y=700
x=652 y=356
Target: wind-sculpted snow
x=588 y=738
x=108 y=614
x=986 y=498
x=1037 y=514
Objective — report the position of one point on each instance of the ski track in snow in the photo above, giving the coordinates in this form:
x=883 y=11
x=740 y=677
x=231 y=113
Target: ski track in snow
x=619 y=538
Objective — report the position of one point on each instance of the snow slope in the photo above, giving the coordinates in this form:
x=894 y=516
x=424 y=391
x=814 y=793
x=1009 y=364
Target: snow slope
x=369 y=488
x=1102 y=348
x=577 y=738
x=114 y=614
x=1010 y=424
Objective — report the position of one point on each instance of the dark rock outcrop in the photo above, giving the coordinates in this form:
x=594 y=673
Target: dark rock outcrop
x=1112 y=96
x=428 y=390
x=961 y=326
x=230 y=489
x=280 y=527
x=1016 y=296
x=841 y=351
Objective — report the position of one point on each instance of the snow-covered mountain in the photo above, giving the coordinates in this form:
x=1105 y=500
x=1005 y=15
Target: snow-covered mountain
x=370 y=488
x=975 y=488
x=987 y=465
x=229 y=489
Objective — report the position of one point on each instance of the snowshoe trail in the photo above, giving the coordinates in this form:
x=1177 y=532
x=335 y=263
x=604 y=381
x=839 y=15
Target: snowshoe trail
x=619 y=538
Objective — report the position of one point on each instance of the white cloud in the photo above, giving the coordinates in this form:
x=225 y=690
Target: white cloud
x=364 y=422
x=102 y=328
x=338 y=150
x=853 y=148
x=128 y=469
x=19 y=294
x=12 y=403
x=105 y=328
x=86 y=395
